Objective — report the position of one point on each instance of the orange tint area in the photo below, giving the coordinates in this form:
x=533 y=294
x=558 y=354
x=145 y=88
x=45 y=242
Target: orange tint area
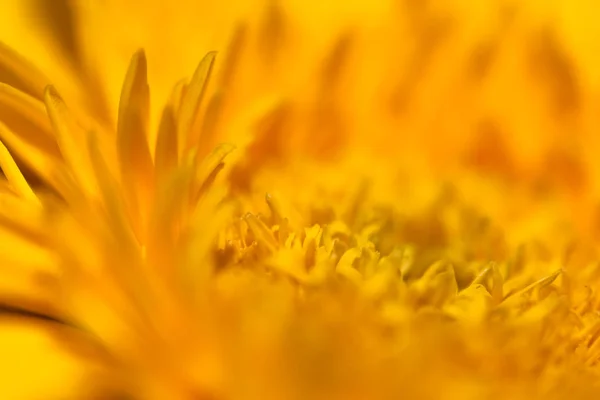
x=413 y=202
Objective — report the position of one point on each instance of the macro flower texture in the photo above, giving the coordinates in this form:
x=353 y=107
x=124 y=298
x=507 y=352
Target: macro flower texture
x=297 y=199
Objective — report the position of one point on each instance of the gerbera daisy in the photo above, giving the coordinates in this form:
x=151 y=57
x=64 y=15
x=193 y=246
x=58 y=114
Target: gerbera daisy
x=306 y=216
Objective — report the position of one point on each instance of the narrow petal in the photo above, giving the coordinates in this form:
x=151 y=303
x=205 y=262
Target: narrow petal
x=137 y=170
x=275 y=207
x=108 y=187
x=262 y=233
x=234 y=52
x=192 y=101
x=345 y=266
x=209 y=168
x=71 y=139
x=64 y=24
x=14 y=175
x=177 y=96
x=208 y=128
x=169 y=214
x=165 y=157
x=165 y=152
x=26 y=116
x=20 y=73
x=541 y=283
x=273 y=32
x=41 y=162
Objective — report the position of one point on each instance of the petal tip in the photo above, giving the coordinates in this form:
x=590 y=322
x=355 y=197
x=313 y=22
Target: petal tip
x=50 y=91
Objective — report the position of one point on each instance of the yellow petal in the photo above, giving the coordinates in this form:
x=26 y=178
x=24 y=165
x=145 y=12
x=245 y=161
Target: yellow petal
x=209 y=168
x=233 y=55
x=165 y=156
x=170 y=212
x=208 y=128
x=262 y=234
x=14 y=175
x=192 y=101
x=71 y=139
x=491 y=279
x=44 y=164
x=471 y=304
x=541 y=283
x=345 y=266
x=135 y=161
x=27 y=117
x=110 y=195
x=177 y=96
x=19 y=73
x=166 y=150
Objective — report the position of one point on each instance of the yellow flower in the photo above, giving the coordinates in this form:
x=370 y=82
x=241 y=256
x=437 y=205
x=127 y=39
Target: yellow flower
x=354 y=204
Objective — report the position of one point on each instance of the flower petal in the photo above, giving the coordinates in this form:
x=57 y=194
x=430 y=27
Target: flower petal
x=26 y=116
x=192 y=101
x=19 y=73
x=14 y=175
x=45 y=164
x=137 y=170
x=71 y=139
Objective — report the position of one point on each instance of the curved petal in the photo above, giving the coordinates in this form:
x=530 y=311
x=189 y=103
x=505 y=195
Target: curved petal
x=16 y=71
x=137 y=169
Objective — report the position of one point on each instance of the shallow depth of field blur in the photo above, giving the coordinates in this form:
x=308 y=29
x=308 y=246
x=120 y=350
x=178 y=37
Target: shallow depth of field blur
x=453 y=142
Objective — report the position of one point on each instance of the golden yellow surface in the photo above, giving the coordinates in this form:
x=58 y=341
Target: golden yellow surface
x=299 y=199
